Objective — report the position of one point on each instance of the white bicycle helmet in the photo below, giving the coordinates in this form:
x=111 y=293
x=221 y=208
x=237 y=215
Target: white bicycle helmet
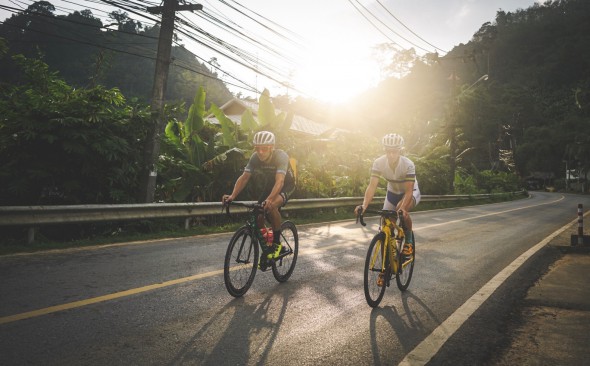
x=264 y=138
x=393 y=140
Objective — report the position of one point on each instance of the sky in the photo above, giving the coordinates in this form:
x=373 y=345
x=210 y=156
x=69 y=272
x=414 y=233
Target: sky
x=331 y=43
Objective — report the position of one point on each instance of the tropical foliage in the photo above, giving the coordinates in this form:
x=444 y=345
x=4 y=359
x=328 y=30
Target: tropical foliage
x=61 y=145
x=67 y=134
x=87 y=52
x=530 y=115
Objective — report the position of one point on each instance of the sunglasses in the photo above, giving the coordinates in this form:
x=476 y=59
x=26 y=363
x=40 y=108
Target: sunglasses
x=262 y=148
x=392 y=151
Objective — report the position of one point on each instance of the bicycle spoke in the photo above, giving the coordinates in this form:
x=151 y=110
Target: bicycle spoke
x=283 y=267
x=241 y=260
x=406 y=268
x=375 y=276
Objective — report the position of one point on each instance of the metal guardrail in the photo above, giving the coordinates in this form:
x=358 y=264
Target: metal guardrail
x=33 y=216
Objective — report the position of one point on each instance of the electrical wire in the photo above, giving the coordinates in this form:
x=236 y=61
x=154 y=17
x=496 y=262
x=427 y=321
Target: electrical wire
x=244 y=86
x=260 y=65
x=411 y=31
x=386 y=26
x=373 y=24
x=143 y=52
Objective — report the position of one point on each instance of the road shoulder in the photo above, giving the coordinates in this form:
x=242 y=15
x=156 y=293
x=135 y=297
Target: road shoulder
x=553 y=319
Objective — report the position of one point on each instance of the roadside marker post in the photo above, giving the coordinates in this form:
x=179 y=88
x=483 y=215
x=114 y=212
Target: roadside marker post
x=580 y=239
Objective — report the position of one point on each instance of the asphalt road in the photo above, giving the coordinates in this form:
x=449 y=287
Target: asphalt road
x=164 y=302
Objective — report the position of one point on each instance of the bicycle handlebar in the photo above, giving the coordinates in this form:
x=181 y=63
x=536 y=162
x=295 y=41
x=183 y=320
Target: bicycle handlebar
x=249 y=205
x=388 y=213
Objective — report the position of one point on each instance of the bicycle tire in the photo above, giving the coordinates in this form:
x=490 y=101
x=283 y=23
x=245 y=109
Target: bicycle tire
x=283 y=267
x=241 y=262
x=405 y=268
x=373 y=268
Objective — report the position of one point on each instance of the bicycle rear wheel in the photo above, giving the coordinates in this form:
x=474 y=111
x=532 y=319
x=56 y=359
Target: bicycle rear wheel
x=241 y=261
x=283 y=267
x=376 y=277
x=405 y=268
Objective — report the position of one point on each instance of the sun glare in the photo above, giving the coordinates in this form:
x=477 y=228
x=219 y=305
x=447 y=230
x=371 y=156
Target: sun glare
x=336 y=74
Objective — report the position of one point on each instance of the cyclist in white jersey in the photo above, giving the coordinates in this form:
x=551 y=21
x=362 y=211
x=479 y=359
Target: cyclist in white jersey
x=403 y=193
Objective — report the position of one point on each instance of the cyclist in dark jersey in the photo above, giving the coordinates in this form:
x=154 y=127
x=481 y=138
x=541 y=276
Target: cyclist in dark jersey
x=271 y=167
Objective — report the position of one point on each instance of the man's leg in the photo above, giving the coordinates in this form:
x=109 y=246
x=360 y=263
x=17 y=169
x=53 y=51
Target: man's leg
x=408 y=223
x=275 y=217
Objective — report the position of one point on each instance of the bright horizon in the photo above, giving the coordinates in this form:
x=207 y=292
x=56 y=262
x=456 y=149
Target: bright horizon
x=335 y=59
x=339 y=61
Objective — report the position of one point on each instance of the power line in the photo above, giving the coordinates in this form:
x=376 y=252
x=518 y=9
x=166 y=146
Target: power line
x=88 y=43
x=386 y=26
x=250 y=67
x=400 y=22
x=373 y=24
x=261 y=24
x=252 y=62
x=248 y=87
x=243 y=55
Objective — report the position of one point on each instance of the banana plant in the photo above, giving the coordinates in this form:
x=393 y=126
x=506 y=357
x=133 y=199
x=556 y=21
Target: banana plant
x=269 y=120
x=194 y=169
x=185 y=179
x=235 y=141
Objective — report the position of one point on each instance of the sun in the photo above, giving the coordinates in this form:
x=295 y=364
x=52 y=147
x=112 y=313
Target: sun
x=335 y=73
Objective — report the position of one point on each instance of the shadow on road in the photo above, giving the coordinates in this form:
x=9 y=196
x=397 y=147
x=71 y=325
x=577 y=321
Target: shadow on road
x=402 y=323
x=239 y=333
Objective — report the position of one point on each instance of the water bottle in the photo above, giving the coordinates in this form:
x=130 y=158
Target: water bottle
x=267 y=234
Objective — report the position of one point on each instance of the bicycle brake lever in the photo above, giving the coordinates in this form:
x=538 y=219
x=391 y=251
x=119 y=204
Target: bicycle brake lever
x=360 y=217
x=225 y=205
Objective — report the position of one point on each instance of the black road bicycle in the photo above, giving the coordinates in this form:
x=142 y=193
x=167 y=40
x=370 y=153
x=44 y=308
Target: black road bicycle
x=247 y=252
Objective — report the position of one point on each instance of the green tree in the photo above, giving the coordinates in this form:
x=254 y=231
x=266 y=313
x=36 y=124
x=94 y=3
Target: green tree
x=199 y=158
x=64 y=145
x=184 y=153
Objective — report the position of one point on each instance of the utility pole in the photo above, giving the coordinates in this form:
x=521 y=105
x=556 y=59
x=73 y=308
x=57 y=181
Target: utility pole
x=452 y=132
x=152 y=143
x=452 y=125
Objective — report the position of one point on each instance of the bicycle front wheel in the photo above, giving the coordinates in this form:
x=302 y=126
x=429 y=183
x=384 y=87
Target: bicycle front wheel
x=283 y=267
x=376 y=274
x=241 y=261
x=405 y=268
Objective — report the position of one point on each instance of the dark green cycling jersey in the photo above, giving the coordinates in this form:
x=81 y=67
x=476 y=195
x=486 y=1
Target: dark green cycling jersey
x=264 y=173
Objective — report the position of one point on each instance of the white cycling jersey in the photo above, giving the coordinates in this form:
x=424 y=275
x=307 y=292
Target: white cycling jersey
x=403 y=172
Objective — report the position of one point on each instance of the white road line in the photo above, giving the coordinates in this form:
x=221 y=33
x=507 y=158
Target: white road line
x=486 y=215
x=432 y=344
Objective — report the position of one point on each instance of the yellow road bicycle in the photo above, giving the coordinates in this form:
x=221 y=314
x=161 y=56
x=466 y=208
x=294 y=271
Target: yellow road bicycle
x=385 y=257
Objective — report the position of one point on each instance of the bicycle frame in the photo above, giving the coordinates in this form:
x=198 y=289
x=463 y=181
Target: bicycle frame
x=394 y=237
x=252 y=221
x=389 y=227
x=244 y=256
x=254 y=212
x=389 y=243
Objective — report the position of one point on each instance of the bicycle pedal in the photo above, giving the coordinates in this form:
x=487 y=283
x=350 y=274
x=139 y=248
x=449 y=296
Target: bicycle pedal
x=263 y=266
x=380 y=280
